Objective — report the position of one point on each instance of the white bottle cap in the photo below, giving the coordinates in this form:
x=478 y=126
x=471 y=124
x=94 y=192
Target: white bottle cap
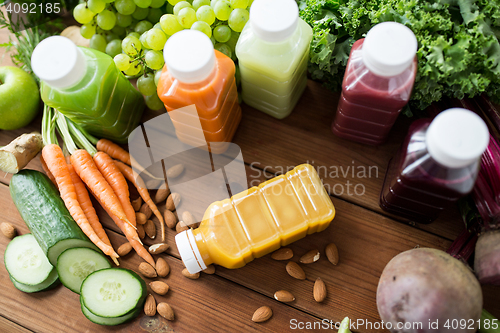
x=189 y=252
x=457 y=138
x=189 y=56
x=389 y=48
x=274 y=20
x=58 y=62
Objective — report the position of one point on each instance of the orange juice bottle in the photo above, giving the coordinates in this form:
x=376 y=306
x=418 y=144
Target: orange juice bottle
x=258 y=221
x=196 y=74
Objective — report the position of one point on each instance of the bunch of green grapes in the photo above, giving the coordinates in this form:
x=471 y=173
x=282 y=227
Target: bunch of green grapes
x=134 y=32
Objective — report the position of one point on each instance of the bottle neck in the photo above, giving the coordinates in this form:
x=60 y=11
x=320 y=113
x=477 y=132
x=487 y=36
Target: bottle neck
x=201 y=243
x=199 y=84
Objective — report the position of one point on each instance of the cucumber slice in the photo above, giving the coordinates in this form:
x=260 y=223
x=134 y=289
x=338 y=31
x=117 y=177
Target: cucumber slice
x=109 y=321
x=26 y=262
x=113 y=292
x=75 y=264
x=52 y=281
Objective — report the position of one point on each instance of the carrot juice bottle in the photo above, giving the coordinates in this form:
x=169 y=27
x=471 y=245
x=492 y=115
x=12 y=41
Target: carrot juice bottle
x=196 y=74
x=258 y=221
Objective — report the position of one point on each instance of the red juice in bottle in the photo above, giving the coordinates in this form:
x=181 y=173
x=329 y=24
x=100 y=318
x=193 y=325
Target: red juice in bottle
x=377 y=83
x=437 y=164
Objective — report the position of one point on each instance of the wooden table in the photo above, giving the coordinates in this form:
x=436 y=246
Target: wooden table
x=366 y=236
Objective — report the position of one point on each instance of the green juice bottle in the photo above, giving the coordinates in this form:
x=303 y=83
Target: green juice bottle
x=85 y=85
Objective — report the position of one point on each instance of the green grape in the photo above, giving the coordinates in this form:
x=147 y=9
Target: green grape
x=170 y=25
x=157 y=3
x=154 y=102
x=143 y=41
x=96 y=6
x=154 y=59
x=180 y=5
x=82 y=14
x=125 y=7
x=206 y=14
x=173 y=2
x=146 y=84
x=239 y=4
x=169 y=9
x=222 y=33
x=143 y=26
x=187 y=16
x=110 y=37
x=123 y=20
x=142 y=3
x=212 y=39
x=118 y=30
x=157 y=77
x=131 y=45
x=134 y=69
x=157 y=25
x=224 y=48
x=108 y=1
x=222 y=10
x=122 y=61
x=238 y=19
x=106 y=20
x=156 y=39
x=98 y=42
x=154 y=14
x=87 y=30
x=233 y=40
x=203 y=27
x=114 y=47
x=198 y=3
x=135 y=34
x=140 y=13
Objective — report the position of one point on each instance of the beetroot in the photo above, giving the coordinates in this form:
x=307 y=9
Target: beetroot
x=487 y=258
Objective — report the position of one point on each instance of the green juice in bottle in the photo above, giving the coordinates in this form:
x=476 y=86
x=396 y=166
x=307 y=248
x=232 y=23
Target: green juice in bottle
x=85 y=85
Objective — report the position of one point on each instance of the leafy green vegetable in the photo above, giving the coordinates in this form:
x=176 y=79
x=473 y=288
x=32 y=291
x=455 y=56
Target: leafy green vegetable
x=458 y=55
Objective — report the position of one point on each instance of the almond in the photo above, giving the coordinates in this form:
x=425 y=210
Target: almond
x=310 y=257
x=162 y=194
x=124 y=249
x=150 y=306
x=147 y=270
x=175 y=171
x=284 y=296
x=332 y=253
x=162 y=267
x=150 y=229
x=295 y=270
x=186 y=273
x=282 y=254
x=262 y=314
x=188 y=219
x=146 y=211
x=165 y=311
x=159 y=287
x=158 y=248
x=141 y=218
x=136 y=204
x=181 y=226
x=319 y=291
x=173 y=201
x=209 y=270
x=170 y=219
x=8 y=230
x=140 y=231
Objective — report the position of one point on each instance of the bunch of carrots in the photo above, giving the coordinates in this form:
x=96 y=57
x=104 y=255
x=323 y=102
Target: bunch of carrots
x=104 y=171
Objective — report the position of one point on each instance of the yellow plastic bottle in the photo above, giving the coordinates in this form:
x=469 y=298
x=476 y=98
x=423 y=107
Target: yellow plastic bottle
x=258 y=221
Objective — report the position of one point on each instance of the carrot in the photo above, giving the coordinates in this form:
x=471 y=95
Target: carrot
x=89 y=173
x=118 y=183
x=57 y=165
x=113 y=150
x=47 y=171
x=143 y=192
x=89 y=211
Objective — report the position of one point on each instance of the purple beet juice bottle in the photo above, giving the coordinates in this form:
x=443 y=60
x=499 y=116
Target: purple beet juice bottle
x=437 y=164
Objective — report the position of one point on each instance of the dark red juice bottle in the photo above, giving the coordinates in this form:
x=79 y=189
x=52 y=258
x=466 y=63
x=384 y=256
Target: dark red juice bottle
x=377 y=83
x=437 y=164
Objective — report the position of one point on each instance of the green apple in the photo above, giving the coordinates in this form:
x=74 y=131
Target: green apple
x=19 y=98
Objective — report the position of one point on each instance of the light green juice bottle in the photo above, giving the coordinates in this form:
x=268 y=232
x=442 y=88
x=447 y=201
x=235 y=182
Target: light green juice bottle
x=85 y=85
x=273 y=51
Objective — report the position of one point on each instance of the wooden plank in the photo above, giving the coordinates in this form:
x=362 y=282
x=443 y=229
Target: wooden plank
x=209 y=304
x=8 y=326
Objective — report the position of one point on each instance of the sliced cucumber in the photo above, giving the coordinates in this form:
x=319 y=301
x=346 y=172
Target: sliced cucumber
x=113 y=292
x=74 y=265
x=52 y=281
x=26 y=262
x=109 y=321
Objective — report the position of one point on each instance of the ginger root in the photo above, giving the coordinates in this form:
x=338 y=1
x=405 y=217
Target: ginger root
x=17 y=154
